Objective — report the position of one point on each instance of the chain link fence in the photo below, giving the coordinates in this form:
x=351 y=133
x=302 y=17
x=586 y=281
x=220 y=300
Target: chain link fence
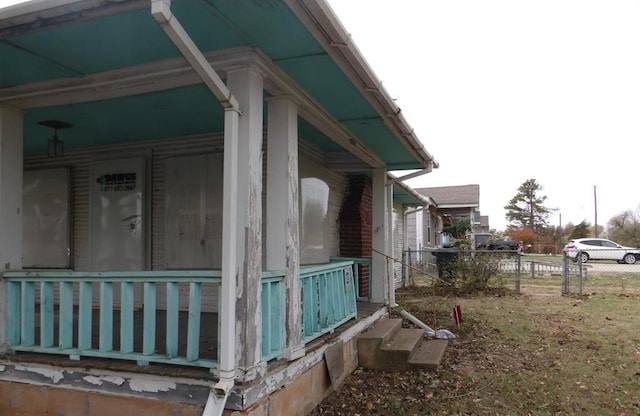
x=569 y=274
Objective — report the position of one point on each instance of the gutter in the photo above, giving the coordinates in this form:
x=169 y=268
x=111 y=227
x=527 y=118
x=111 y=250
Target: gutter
x=331 y=34
x=219 y=393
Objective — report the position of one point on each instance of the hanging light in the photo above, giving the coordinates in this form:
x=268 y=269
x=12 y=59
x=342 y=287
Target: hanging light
x=55 y=146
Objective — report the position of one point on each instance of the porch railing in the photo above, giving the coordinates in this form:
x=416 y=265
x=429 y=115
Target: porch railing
x=361 y=275
x=328 y=297
x=128 y=320
x=123 y=315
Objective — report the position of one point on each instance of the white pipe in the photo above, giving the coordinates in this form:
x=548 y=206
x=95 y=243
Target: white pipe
x=161 y=11
x=413 y=175
x=391 y=286
x=416 y=321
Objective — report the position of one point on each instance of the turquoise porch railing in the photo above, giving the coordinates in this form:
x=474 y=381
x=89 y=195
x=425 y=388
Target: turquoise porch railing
x=128 y=326
x=328 y=298
x=273 y=309
x=68 y=319
x=118 y=314
x=361 y=270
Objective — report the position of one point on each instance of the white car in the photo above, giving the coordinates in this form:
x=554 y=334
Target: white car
x=585 y=249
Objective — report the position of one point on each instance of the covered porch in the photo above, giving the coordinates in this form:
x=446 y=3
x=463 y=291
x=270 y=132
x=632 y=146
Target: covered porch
x=172 y=182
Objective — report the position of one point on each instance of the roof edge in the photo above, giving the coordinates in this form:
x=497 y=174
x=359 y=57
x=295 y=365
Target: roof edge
x=326 y=27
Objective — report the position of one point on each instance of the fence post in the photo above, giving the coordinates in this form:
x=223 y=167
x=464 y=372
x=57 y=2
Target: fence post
x=518 y=264
x=581 y=271
x=409 y=270
x=533 y=270
x=565 y=275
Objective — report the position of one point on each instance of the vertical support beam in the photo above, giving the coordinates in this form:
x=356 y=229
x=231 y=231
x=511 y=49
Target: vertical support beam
x=379 y=237
x=10 y=204
x=230 y=270
x=283 y=235
x=390 y=245
x=246 y=84
x=11 y=168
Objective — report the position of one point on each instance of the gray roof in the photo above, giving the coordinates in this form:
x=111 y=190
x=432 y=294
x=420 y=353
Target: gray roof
x=468 y=195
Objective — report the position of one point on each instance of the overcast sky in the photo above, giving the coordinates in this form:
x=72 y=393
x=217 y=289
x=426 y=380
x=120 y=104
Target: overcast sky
x=501 y=91
x=504 y=91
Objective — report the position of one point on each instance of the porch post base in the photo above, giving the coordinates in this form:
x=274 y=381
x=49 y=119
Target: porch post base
x=253 y=372
x=294 y=352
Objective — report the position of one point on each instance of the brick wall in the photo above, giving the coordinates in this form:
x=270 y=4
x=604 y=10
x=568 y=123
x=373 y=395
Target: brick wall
x=356 y=218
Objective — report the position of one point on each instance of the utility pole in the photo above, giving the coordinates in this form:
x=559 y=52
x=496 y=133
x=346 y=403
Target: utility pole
x=595 y=207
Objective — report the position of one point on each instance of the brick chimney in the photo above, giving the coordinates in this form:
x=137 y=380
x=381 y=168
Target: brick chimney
x=356 y=218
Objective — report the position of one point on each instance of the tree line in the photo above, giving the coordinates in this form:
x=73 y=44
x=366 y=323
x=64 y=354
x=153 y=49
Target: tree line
x=528 y=218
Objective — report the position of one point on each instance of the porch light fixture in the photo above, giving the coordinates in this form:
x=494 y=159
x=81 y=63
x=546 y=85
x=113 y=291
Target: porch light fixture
x=55 y=146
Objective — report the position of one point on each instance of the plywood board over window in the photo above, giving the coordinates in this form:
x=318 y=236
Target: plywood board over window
x=117 y=227
x=46 y=219
x=193 y=201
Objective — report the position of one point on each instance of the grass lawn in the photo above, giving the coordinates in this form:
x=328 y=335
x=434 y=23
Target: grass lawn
x=536 y=353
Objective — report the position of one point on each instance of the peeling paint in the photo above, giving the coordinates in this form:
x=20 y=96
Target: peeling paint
x=118 y=381
x=151 y=386
x=2 y=367
x=54 y=375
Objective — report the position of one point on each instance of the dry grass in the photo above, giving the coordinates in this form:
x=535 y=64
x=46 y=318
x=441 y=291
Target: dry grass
x=537 y=353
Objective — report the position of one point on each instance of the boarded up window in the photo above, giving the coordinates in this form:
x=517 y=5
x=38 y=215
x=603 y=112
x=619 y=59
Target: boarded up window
x=193 y=222
x=46 y=242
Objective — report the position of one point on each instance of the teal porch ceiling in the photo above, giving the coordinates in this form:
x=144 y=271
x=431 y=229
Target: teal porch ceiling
x=73 y=48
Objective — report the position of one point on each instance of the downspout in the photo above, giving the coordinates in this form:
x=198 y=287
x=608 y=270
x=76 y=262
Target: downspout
x=391 y=285
x=161 y=11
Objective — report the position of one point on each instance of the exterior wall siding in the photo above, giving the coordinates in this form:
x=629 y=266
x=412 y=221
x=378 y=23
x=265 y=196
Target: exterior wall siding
x=398 y=247
x=156 y=153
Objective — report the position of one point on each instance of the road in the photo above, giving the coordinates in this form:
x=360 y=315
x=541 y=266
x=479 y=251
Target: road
x=611 y=266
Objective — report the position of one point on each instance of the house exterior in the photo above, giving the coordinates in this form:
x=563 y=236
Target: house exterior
x=192 y=195
x=449 y=203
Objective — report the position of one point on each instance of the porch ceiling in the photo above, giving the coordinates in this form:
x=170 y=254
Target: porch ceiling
x=66 y=42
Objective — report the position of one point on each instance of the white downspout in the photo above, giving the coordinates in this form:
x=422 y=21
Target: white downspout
x=391 y=285
x=161 y=11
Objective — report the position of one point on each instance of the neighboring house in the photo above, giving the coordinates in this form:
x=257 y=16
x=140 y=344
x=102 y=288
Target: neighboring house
x=406 y=202
x=451 y=203
x=483 y=227
x=189 y=193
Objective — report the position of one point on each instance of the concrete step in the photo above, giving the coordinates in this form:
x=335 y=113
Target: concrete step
x=369 y=342
x=389 y=347
x=428 y=355
x=394 y=353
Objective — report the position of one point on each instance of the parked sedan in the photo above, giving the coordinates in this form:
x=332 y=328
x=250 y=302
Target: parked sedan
x=585 y=249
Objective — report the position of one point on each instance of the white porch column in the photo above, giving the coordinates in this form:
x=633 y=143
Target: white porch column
x=379 y=238
x=283 y=235
x=11 y=167
x=390 y=244
x=246 y=84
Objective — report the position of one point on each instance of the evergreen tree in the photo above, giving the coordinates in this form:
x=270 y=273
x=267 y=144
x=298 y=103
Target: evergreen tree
x=526 y=208
x=581 y=230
